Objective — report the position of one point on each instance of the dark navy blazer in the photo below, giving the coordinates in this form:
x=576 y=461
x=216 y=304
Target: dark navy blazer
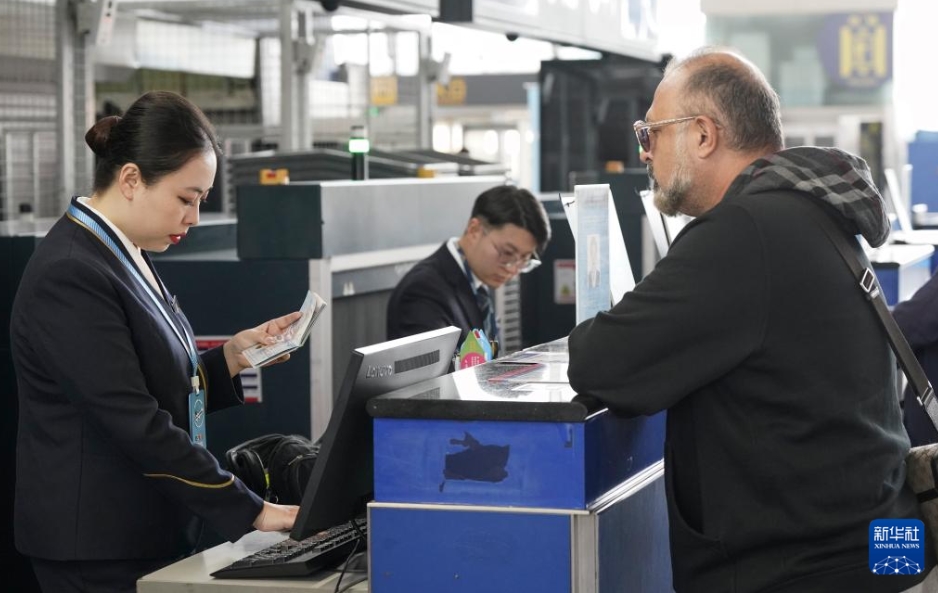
x=105 y=465
x=435 y=293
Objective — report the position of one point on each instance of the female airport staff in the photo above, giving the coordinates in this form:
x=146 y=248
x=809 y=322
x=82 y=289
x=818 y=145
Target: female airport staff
x=112 y=478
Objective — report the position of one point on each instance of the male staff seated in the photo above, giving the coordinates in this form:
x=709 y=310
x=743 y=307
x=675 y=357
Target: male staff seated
x=506 y=233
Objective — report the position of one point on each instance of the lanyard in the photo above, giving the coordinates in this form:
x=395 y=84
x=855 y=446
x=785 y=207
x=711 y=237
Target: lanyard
x=472 y=285
x=92 y=225
x=471 y=278
x=465 y=266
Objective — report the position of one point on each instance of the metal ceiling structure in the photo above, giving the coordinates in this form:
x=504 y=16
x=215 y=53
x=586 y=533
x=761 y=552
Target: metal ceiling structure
x=262 y=18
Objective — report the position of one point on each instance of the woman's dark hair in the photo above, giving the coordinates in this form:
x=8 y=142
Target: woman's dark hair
x=159 y=133
x=507 y=204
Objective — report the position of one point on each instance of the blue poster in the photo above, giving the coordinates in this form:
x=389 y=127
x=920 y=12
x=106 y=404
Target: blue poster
x=856 y=48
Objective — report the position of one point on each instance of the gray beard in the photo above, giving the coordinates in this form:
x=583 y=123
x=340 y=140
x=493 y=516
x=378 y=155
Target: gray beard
x=670 y=201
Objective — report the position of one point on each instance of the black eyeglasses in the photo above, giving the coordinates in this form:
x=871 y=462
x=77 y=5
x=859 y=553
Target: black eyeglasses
x=642 y=129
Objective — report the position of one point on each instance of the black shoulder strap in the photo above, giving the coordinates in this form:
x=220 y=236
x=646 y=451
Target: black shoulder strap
x=870 y=287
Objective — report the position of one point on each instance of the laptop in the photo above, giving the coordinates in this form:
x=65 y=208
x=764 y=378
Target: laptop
x=663 y=228
x=903 y=232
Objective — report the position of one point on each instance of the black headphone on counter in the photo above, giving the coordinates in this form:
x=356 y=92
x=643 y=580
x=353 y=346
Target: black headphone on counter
x=247 y=461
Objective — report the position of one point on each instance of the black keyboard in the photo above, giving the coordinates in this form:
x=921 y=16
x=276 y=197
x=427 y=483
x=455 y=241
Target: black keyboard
x=290 y=558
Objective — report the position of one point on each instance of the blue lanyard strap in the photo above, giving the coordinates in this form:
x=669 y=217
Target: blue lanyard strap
x=486 y=308
x=92 y=225
x=465 y=266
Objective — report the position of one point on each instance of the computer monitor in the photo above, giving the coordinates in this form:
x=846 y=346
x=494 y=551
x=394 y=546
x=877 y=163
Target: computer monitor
x=341 y=483
x=663 y=228
x=896 y=202
x=655 y=222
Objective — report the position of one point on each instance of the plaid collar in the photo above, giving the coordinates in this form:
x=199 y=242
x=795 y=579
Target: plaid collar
x=831 y=175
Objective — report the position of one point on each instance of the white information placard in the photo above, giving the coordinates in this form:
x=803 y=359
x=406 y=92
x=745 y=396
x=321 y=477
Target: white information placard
x=603 y=269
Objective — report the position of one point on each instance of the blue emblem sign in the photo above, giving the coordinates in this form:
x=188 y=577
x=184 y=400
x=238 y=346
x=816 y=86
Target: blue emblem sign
x=856 y=49
x=897 y=546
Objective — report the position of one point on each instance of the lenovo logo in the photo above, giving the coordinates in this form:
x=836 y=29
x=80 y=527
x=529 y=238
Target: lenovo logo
x=384 y=370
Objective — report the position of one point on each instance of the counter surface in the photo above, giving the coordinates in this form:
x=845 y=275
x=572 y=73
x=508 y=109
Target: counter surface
x=192 y=574
x=529 y=385
x=896 y=255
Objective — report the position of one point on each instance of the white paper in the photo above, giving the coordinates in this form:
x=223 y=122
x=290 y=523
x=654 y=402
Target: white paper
x=621 y=279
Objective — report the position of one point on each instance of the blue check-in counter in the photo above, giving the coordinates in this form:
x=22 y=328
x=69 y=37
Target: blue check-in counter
x=497 y=479
x=901 y=269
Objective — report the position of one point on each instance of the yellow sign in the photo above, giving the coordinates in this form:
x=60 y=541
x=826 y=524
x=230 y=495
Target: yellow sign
x=383 y=91
x=864 y=50
x=452 y=94
x=274 y=176
x=856 y=49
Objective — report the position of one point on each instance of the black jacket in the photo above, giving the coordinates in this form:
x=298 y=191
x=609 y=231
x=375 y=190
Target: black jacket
x=434 y=294
x=784 y=432
x=105 y=467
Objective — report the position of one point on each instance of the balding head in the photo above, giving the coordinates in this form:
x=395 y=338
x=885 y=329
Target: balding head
x=712 y=115
x=718 y=82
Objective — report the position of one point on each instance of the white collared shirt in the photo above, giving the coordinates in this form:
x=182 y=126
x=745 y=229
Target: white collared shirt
x=132 y=249
x=453 y=245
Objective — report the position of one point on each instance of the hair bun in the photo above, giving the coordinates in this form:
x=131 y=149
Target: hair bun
x=97 y=137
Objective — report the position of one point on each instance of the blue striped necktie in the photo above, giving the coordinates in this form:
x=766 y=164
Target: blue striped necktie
x=487 y=307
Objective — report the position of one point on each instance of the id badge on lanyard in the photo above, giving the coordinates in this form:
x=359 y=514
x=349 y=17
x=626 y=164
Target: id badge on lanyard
x=197 y=416
x=197 y=409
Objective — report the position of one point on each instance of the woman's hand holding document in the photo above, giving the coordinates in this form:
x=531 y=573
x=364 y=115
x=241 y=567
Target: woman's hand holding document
x=292 y=338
